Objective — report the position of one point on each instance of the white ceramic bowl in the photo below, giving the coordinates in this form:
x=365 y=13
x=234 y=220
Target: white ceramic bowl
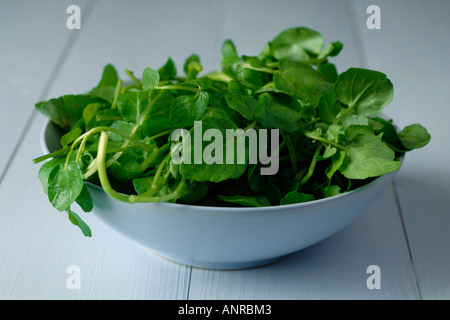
x=228 y=238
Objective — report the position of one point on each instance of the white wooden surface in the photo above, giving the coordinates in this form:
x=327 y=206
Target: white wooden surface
x=406 y=233
x=32 y=51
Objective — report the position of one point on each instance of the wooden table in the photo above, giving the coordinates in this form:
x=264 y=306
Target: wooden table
x=405 y=233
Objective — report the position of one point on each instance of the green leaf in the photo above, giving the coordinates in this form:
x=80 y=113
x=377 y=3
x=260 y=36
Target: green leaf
x=127 y=167
x=105 y=89
x=46 y=168
x=337 y=161
x=77 y=221
x=71 y=136
x=331 y=50
x=228 y=53
x=249 y=78
x=296 y=197
x=109 y=77
x=366 y=92
x=266 y=53
x=329 y=107
x=184 y=110
x=123 y=126
x=65 y=183
x=84 y=200
x=303 y=83
x=134 y=105
x=254 y=62
x=168 y=71
x=297 y=44
x=201 y=83
x=213 y=164
x=192 y=67
x=148 y=110
x=94 y=109
x=269 y=88
x=254 y=179
x=329 y=71
x=331 y=191
x=285 y=64
x=388 y=133
x=366 y=155
x=274 y=114
x=143 y=184
x=239 y=99
x=272 y=193
x=247 y=201
x=355 y=120
x=193 y=191
x=414 y=136
x=91 y=111
x=309 y=112
x=334 y=133
x=150 y=78
x=329 y=152
x=67 y=110
x=109 y=116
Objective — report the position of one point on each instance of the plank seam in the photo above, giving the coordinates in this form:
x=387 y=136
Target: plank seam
x=222 y=7
x=363 y=60
x=48 y=85
x=189 y=283
x=405 y=234
x=356 y=33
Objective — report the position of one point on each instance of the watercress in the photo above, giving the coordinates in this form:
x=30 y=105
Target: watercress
x=118 y=134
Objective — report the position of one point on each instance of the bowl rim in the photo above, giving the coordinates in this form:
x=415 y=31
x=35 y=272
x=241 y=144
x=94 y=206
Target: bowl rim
x=346 y=194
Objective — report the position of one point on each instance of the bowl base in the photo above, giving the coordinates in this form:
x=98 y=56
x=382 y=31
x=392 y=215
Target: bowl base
x=220 y=265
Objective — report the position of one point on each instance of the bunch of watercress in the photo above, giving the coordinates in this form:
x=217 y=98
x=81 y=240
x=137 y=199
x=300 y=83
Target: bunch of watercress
x=332 y=137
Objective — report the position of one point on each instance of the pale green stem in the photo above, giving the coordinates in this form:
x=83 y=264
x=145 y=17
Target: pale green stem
x=131 y=86
x=167 y=197
x=51 y=155
x=146 y=163
x=131 y=75
x=219 y=76
x=311 y=135
x=311 y=167
x=102 y=146
x=83 y=138
x=155 y=187
x=261 y=69
x=101 y=164
x=178 y=87
x=116 y=93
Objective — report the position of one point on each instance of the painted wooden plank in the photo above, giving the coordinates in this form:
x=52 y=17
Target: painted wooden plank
x=111 y=266
x=136 y=36
x=33 y=35
x=335 y=268
x=139 y=34
x=411 y=47
x=38 y=244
